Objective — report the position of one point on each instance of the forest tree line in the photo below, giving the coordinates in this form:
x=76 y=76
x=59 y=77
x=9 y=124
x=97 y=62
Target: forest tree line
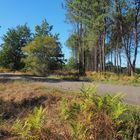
x=105 y=34
x=39 y=52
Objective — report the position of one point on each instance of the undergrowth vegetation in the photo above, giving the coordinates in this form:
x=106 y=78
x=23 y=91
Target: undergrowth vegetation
x=106 y=77
x=93 y=117
x=112 y=77
x=44 y=113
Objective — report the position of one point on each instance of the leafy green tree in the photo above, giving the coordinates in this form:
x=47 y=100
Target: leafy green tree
x=13 y=42
x=44 y=53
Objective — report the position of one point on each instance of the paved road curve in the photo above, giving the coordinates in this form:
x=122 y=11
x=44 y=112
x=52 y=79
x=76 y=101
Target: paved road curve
x=132 y=94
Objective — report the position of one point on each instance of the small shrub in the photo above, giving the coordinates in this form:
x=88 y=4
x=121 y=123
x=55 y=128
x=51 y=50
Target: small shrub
x=32 y=125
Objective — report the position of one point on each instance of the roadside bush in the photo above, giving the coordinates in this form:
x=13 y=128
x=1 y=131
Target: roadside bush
x=93 y=117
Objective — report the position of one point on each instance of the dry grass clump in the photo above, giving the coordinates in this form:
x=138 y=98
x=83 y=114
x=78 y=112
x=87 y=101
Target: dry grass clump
x=18 y=100
x=4 y=70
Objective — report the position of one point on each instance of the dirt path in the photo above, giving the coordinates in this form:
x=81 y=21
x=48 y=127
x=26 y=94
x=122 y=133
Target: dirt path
x=132 y=94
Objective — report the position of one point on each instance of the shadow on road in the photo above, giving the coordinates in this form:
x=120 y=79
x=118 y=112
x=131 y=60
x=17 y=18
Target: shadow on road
x=7 y=77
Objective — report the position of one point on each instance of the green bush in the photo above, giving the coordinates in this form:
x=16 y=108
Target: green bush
x=44 y=55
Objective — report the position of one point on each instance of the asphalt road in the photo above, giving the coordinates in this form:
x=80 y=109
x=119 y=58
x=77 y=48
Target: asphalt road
x=132 y=93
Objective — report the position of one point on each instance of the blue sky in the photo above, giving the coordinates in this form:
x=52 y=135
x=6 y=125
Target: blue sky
x=32 y=12
x=15 y=12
